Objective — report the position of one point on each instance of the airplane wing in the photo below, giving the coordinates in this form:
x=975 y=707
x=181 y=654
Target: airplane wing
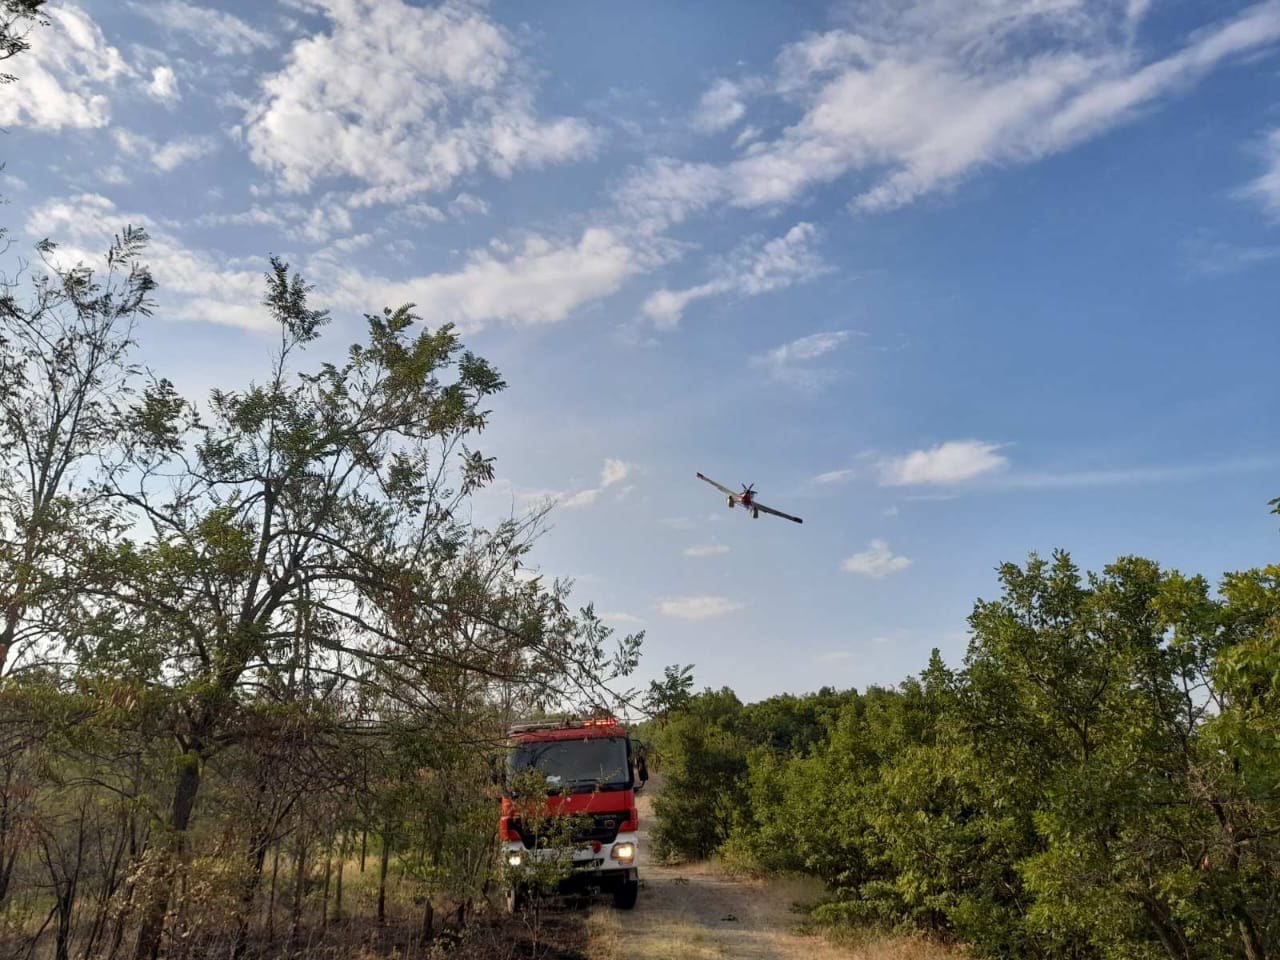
x=719 y=486
x=777 y=513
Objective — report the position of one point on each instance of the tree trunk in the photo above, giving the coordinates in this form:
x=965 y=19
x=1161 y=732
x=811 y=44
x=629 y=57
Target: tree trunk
x=337 y=891
x=1249 y=939
x=299 y=891
x=257 y=860
x=184 y=800
x=382 y=875
x=428 y=921
x=271 y=903
x=364 y=845
x=328 y=876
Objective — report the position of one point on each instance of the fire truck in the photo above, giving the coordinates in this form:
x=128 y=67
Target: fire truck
x=586 y=773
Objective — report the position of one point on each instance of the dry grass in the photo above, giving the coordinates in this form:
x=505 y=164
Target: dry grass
x=700 y=912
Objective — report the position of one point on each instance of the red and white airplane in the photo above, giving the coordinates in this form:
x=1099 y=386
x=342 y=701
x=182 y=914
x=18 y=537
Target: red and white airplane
x=747 y=497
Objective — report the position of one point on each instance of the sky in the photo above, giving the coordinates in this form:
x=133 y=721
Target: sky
x=952 y=282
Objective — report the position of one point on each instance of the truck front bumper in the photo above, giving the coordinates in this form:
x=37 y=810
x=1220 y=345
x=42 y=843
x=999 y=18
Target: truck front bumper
x=589 y=869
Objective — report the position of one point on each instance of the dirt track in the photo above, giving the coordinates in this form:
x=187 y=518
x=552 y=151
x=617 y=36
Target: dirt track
x=695 y=911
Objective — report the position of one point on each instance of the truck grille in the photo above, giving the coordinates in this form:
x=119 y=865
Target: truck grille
x=597 y=826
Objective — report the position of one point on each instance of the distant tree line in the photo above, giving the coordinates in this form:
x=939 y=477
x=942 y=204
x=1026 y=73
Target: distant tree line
x=1100 y=779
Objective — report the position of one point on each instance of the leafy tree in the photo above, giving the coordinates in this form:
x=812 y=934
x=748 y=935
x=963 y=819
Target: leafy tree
x=311 y=528
x=672 y=693
x=704 y=762
x=65 y=380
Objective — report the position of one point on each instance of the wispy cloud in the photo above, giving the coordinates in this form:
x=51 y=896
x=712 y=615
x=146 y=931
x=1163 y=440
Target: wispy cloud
x=621 y=619
x=698 y=608
x=951 y=462
x=721 y=106
x=1266 y=188
x=878 y=560
x=198 y=285
x=541 y=282
x=792 y=363
x=612 y=473
x=834 y=476
x=706 y=550
x=224 y=34
x=1214 y=257
x=754 y=268
x=927 y=93
x=165 y=157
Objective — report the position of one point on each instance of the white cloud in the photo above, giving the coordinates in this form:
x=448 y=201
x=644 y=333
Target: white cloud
x=541 y=282
x=720 y=107
x=63 y=80
x=876 y=561
x=790 y=363
x=316 y=222
x=951 y=462
x=165 y=157
x=620 y=618
x=834 y=656
x=164 y=85
x=168 y=157
x=406 y=99
x=833 y=476
x=196 y=286
x=706 y=550
x=754 y=268
x=468 y=204
x=928 y=92
x=215 y=30
x=614 y=471
x=583 y=498
x=698 y=608
x=1266 y=188
x=664 y=192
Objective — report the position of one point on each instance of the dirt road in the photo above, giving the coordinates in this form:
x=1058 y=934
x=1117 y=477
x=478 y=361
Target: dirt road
x=695 y=911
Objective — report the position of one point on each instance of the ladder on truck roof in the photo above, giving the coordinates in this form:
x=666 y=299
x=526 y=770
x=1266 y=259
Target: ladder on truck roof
x=568 y=724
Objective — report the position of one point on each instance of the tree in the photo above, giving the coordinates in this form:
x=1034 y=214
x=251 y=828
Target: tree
x=17 y=18
x=65 y=380
x=311 y=532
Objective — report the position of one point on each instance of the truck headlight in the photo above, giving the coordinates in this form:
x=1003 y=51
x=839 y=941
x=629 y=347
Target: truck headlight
x=514 y=858
x=624 y=852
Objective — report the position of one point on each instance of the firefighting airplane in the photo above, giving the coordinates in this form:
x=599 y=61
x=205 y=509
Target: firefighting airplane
x=747 y=497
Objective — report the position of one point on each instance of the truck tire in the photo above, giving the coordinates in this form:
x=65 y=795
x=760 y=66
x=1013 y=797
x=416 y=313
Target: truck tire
x=624 y=895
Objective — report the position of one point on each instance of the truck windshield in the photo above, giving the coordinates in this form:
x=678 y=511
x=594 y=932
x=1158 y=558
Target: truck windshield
x=576 y=765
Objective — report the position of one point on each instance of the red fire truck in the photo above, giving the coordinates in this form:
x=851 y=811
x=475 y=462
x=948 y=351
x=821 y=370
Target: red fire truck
x=591 y=770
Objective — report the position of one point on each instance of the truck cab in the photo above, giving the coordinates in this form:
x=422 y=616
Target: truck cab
x=586 y=774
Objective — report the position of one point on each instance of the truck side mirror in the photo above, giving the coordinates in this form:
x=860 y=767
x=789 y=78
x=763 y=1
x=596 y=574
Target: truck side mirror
x=642 y=769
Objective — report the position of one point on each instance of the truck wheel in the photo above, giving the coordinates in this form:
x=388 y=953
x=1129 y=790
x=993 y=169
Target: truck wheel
x=624 y=896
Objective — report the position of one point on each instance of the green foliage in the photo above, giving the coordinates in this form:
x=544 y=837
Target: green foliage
x=1101 y=780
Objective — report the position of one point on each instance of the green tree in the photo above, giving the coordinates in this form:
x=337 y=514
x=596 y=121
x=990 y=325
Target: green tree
x=65 y=380
x=312 y=526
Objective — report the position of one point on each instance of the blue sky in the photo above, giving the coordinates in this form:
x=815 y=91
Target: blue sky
x=952 y=282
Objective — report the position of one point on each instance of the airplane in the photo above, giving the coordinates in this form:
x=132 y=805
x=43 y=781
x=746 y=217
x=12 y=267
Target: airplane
x=747 y=497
